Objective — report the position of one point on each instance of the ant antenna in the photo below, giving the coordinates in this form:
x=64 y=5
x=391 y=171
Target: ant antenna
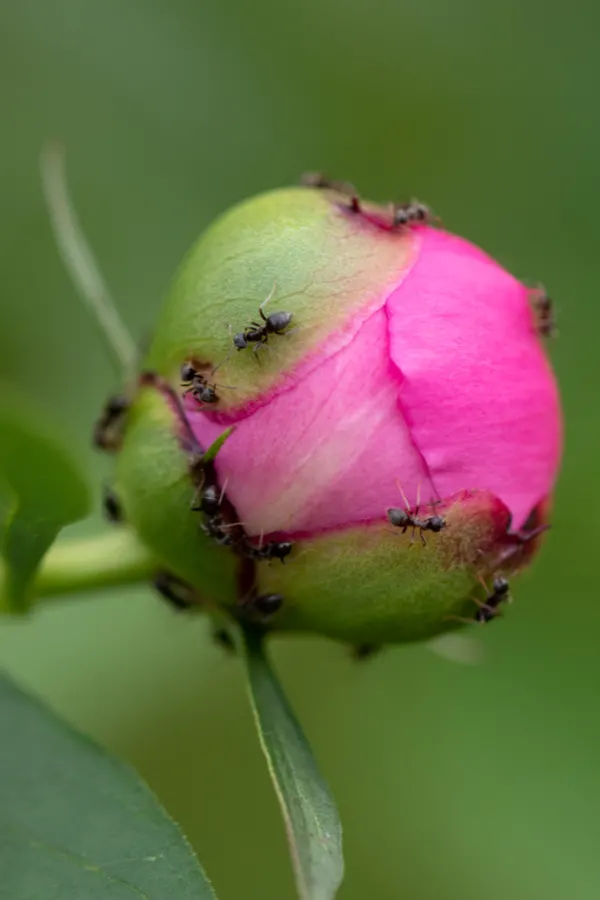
x=80 y=262
x=270 y=296
x=404 y=497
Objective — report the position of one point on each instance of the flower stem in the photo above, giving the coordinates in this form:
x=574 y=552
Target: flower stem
x=86 y=564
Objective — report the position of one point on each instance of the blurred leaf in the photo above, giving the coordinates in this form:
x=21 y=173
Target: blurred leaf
x=312 y=823
x=76 y=823
x=46 y=492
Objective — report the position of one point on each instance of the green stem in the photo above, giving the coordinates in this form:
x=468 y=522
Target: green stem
x=83 y=564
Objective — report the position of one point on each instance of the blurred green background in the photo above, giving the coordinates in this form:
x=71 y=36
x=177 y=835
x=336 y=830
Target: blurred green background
x=453 y=782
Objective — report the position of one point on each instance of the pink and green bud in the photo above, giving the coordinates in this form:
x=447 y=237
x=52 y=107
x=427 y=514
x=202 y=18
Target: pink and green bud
x=410 y=378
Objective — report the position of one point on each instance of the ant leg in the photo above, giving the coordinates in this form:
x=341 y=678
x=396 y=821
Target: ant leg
x=462 y=619
x=525 y=536
x=195 y=504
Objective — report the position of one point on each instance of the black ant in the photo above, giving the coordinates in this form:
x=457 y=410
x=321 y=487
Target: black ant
x=111 y=506
x=257 y=333
x=217 y=529
x=500 y=593
x=223 y=639
x=405 y=518
x=197 y=384
x=361 y=652
x=214 y=526
x=261 y=606
x=413 y=213
x=488 y=609
x=210 y=500
x=543 y=308
x=108 y=430
x=322 y=182
x=174 y=590
x=272 y=550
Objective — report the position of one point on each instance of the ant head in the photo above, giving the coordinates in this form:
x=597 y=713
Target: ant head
x=207 y=394
x=420 y=212
x=500 y=585
x=211 y=496
x=187 y=373
x=116 y=405
x=401 y=216
x=397 y=516
x=283 y=549
x=239 y=341
x=279 y=320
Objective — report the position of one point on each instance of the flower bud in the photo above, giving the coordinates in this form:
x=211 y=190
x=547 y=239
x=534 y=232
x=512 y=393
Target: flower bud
x=395 y=422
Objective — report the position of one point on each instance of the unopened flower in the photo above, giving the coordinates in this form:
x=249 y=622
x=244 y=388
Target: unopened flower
x=395 y=422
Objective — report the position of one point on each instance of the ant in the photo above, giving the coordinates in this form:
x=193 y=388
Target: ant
x=413 y=213
x=111 y=506
x=215 y=526
x=210 y=500
x=488 y=609
x=217 y=529
x=272 y=550
x=174 y=590
x=257 y=333
x=361 y=652
x=197 y=385
x=108 y=430
x=405 y=517
x=322 y=182
x=543 y=308
x=500 y=593
x=223 y=639
x=261 y=606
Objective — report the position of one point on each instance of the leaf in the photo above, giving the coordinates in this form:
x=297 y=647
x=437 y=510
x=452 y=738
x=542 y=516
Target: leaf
x=311 y=819
x=214 y=448
x=76 y=824
x=46 y=492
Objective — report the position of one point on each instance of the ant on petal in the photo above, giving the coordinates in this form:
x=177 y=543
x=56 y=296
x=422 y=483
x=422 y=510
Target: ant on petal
x=257 y=332
x=323 y=182
x=405 y=517
x=198 y=385
x=488 y=609
x=413 y=213
x=543 y=308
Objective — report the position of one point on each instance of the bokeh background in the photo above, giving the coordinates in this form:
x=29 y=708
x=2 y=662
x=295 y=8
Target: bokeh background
x=452 y=781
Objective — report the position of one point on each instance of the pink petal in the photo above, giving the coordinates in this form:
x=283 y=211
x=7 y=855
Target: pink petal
x=478 y=394
x=325 y=452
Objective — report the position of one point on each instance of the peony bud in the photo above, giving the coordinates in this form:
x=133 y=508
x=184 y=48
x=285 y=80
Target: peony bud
x=407 y=382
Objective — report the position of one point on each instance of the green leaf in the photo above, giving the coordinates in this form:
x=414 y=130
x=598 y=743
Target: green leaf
x=214 y=448
x=76 y=824
x=45 y=493
x=311 y=819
